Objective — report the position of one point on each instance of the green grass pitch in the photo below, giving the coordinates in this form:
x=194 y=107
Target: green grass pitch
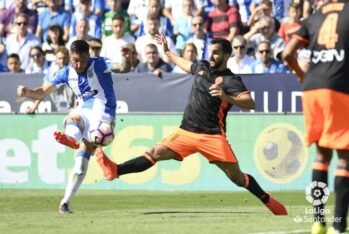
x=133 y=212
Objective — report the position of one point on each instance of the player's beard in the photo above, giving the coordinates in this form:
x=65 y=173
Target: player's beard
x=216 y=64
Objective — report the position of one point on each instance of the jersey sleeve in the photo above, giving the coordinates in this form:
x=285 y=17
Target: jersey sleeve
x=302 y=33
x=201 y=66
x=57 y=78
x=234 y=86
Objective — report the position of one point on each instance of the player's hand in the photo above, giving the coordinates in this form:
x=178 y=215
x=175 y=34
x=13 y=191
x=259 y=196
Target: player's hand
x=217 y=91
x=22 y=91
x=161 y=40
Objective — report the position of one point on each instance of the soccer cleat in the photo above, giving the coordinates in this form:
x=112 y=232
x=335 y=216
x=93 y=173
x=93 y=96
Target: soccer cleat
x=275 y=206
x=318 y=228
x=331 y=230
x=64 y=208
x=64 y=139
x=109 y=167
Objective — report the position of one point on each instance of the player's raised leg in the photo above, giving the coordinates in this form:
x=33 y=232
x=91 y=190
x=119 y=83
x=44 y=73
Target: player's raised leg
x=247 y=181
x=72 y=134
x=138 y=164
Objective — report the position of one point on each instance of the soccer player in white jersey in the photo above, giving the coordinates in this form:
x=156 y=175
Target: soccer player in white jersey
x=91 y=81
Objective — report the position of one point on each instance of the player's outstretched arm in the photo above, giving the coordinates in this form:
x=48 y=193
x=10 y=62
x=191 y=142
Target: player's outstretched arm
x=179 y=61
x=37 y=93
x=126 y=64
x=243 y=100
x=289 y=55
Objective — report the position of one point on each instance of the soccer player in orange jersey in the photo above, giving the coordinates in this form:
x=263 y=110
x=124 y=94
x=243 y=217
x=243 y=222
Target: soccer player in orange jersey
x=326 y=100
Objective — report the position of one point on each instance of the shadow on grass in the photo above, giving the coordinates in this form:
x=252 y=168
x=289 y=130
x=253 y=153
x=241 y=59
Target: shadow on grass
x=200 y=212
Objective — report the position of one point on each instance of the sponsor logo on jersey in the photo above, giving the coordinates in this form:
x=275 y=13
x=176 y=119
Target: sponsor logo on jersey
x=324 y=56
x=89 y=94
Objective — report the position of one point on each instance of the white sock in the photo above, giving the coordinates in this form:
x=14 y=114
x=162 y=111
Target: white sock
x=76 y=178
x=72 y=129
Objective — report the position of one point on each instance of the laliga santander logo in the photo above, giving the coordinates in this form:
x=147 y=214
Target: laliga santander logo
x=317 y=193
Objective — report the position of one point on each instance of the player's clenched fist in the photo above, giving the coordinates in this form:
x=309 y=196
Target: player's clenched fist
x=22 y=90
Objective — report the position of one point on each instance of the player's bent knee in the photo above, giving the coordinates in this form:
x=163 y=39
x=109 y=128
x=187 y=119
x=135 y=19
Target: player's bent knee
x=160 y=152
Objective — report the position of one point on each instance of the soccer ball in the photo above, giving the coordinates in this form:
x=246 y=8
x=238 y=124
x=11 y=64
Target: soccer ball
x=103 y=135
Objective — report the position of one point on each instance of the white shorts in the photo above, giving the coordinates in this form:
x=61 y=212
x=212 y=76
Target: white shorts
x=91 y=117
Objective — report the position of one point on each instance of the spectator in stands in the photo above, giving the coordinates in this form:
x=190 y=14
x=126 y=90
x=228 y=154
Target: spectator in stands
x=22 y=41
x=14 y=64
x=7 y=18
x=153 y=10
x=137 y=10
x=97 y=7
x=240 y=62
x=53 y=41
x=292 y=23
x=265 y=30
x=38 y=5
x=115 y=9
x=63 y=98
x=244 y=9
x=112 y=44
x=182 y=28
x=201 y=39
x=153 y=64
x=134 y=54
x=174 y=9
x=265 y=63
x=84 y=12
x=38 y=64
x=95 y=47
x=224 y=21
x=189 y=53
x=54 y=14
x=264 y=9
x=153 y=25
x=82 y=29
x=277 y=7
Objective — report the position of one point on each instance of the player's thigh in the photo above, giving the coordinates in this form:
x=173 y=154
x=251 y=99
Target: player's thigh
x=180 y=143
x=161 y=152
x=216 y=148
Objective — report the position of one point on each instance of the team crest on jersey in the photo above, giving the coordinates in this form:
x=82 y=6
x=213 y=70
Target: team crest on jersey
x=90 y=74
x=200 y=73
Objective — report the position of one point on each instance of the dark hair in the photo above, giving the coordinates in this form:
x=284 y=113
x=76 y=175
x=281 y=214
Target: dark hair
x=13 y=55
x=118 y=17
x=225 y=44
x=79 y=47
x=37 y=48
x=94 y=39
x=60 y=36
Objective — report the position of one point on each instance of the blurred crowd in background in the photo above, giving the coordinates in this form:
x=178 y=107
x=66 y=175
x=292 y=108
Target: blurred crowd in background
x=36 y=34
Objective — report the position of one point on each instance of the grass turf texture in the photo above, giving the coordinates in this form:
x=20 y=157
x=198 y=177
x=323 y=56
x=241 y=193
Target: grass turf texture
x=130 y=212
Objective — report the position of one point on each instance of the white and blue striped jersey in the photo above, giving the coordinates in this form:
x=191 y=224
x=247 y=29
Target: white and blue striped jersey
x=93 y=87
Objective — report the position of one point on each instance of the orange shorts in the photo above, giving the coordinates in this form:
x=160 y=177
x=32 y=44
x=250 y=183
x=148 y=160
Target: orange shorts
x=213 y=147
x=326 y=118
